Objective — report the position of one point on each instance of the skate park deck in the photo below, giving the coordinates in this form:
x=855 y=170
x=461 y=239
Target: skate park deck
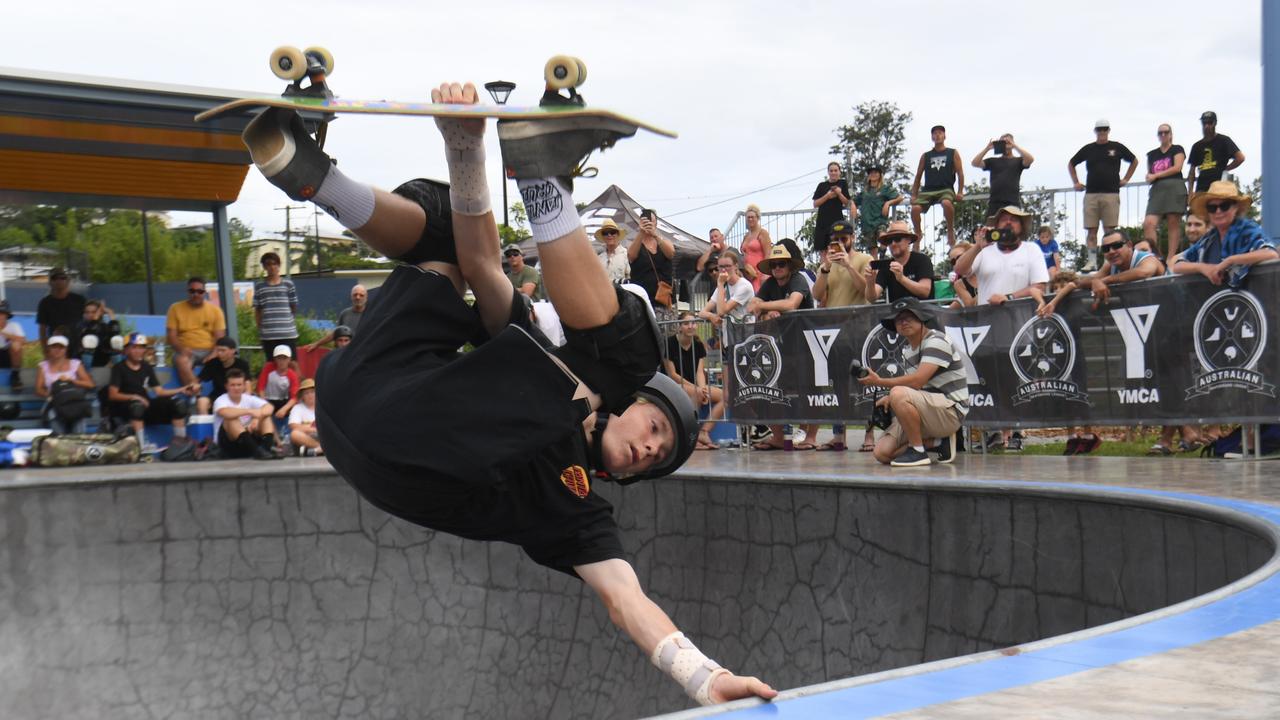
x=1037 y=586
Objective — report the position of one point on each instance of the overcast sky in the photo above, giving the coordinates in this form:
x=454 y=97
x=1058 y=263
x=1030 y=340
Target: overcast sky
x=755 y=89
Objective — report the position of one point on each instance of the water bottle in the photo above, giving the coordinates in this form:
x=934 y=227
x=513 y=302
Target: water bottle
x=160 y=354
x=786 y=438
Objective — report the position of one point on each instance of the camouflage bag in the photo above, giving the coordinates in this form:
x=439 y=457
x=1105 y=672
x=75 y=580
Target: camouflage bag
x=87 y=449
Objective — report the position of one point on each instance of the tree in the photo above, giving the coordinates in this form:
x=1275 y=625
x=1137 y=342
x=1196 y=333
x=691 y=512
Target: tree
x=875 y=137
x=971 y=213
x=1254 y=190
x=517 y=232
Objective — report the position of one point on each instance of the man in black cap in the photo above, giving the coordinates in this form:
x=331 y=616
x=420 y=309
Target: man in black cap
x=61 y=308
x=214 y=371
x=1212 y=156
x=930 y=399
x=522 y=277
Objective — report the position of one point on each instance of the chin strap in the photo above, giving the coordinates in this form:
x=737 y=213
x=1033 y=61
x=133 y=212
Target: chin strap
x=596 y=453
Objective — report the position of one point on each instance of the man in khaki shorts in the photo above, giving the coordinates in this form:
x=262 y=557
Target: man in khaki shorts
x=1102 y=185
x=931 y=398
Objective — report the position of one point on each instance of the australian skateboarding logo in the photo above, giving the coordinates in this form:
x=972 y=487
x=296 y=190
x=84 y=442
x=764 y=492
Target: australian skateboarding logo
x=542 y=201
x=757 y=364
x=1043 y=355
x=882 y=353
x=1230 y=334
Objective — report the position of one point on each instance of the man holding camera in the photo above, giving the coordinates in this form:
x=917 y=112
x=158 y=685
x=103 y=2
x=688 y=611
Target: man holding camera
x=1006 y=171
x=930 y=399
x=905 y=273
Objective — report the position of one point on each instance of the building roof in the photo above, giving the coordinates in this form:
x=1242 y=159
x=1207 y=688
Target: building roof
x=102 y=142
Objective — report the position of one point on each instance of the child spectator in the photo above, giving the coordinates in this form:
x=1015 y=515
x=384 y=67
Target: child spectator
x=302 y=421
x=242 y=422
x=278 y=383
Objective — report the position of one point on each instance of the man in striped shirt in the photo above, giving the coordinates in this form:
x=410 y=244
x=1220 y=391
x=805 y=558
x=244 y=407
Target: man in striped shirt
x=275 y=300
x=929 y=401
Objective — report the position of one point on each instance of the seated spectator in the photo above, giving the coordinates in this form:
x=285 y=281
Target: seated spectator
x=930 y=400
x=873 y=207
x=1081 y=440
x=785 y=290
x=1052 y=252
x=135 y=397
x=733 y=291
x=939 y=180
x=191 y=328
x=214 y=371
x=302 y=421
x=909 y=273
x=12 y=340
x=95 y=335
x=686 y=363
x=966 y=288
x=63 y=381
x=1233 y=243
x=242 y=422
x=278 y=382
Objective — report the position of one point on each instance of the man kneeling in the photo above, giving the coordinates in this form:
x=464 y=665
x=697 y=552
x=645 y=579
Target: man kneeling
x=929 y=401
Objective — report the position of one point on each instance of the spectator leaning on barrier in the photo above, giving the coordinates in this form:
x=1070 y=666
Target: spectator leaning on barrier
x=63 y=381
x=831 y=197
x=1212 y=156
x=275 y=303
x=1081 y=440
x=302 y=421
x=1049 y=248
x=942 y=173
x=1233 y=243
x=93 y=334
x=873 y=206
x=242 y=422
x=614 y=256
x=686 y=363
x=733 y=292
x=136 y=397
x=1006 y=171
x=348 y=318
x=60 y=310
x=522 y=277
x=192 y=326
x=931 y=398
x=784 y=291
x=1102 y=184
x=214 y=371
x=908 y=273
x=1167 y=199
x=844 y=278
x=12 y=340
x=965 y=286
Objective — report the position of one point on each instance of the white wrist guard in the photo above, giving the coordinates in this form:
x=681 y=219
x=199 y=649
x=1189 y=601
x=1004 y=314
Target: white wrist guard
x=468 y=189
x=676 y=656
x=549 y=204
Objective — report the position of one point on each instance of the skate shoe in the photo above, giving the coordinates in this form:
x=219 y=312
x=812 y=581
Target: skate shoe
x=286 y=155
x=557 y=147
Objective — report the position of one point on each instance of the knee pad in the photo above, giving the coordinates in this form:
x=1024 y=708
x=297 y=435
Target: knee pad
x=436 y=242
x=137 y=410
x=181 y=406
x=616 y=359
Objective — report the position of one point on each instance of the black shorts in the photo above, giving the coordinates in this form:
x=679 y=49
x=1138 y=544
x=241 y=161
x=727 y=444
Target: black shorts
x=160 y=411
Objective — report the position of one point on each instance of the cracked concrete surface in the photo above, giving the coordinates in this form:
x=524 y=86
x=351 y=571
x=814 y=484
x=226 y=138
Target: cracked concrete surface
x=286 y=596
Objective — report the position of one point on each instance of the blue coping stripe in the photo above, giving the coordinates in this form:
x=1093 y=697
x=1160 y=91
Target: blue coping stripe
x=1249 y=608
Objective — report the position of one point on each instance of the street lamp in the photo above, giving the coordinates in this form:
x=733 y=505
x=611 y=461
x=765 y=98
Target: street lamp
x=500 y=90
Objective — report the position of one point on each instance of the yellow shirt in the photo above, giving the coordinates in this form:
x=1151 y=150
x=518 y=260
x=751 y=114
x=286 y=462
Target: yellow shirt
x=840 y=289
x=195 y=325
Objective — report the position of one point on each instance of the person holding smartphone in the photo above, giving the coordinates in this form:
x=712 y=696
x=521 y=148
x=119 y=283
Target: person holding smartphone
x=651 y=256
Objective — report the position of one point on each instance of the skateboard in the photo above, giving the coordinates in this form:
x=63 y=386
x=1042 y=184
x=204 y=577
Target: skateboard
x=315 y=64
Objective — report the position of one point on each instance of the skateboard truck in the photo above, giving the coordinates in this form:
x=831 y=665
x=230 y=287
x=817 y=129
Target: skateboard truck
x=315 y=63
x=563 y=72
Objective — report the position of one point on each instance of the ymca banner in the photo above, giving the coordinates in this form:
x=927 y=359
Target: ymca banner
x=1169 y=350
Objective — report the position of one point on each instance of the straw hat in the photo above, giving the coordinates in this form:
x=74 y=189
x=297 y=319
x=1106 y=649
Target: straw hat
x=1220 y=190
x=307 y=384
x=609 y=224
x=779 y=252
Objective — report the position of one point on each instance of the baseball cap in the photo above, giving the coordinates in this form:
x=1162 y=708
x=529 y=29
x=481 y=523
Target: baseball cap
x=1209 y=116
x=512 y=250
x=135 y=339
x=4 y=308
x=841 y=227
x=1101 y=123
x=58 y=274
x=282 y=350
x=58 y=340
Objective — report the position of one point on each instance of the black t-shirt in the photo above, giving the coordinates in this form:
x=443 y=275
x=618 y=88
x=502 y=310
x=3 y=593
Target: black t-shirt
x=642 y=270
x=1102 y=165
x=133 y=382
x=1006 y=178
x=686 y=361
x=102 y=329
x=215 y=372
x=1210 y=158
x=64 y=313
x=939 y=170
x=829 y=211
x=917 y=267
x=770 y=291
x=1159 y=160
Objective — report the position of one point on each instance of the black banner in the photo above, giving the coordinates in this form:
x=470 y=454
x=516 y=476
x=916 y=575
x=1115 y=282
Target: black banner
x=1162 y=351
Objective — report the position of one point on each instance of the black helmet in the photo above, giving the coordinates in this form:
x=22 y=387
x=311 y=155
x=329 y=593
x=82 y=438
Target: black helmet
x=342 y=331
x=10 y=410
x=683 y=415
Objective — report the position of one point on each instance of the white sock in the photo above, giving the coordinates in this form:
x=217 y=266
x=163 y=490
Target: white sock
x=347 y=201
x=918 y=448
x=549 y=203
x=179 y=430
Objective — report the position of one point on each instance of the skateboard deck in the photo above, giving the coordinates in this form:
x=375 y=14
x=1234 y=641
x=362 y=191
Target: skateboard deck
x=338 y=106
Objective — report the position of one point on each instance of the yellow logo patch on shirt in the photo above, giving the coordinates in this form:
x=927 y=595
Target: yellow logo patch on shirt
x=574 y=477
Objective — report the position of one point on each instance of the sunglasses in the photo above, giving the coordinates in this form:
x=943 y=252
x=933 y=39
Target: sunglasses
x=1164 y=132
x=1220 y=207
x=608 y=232
x=193 y=291
x=1102 y=129
x=775 y=264
x=1112 y=246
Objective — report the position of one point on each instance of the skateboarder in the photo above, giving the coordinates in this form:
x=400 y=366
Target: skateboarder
x=503 y=442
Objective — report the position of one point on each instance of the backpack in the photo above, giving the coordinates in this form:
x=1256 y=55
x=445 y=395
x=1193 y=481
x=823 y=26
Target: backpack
x=69 y=402
x=188 y=450
x=84 y=449
x=1232 y=442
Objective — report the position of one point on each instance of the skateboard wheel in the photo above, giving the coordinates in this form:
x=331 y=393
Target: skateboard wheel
x=323 y=56
x=288 y=63
x=561 y=72
x=582 y=72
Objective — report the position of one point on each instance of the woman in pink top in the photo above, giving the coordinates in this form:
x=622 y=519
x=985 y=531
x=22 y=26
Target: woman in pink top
x=756 y=245
x=57 y=366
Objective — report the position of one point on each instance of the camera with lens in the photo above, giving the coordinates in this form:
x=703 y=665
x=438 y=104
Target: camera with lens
x=1000 y=147
x=882 y=417
x=857 y=369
